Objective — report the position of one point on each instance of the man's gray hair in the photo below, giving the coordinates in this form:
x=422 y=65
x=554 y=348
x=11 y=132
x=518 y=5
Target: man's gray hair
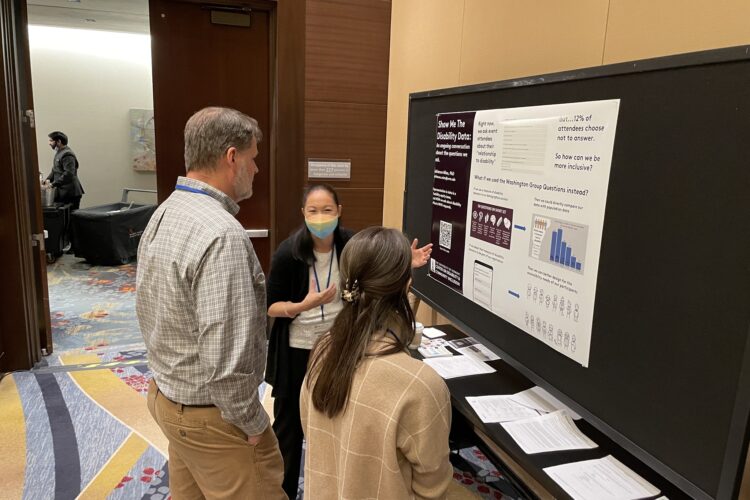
x=211 y=131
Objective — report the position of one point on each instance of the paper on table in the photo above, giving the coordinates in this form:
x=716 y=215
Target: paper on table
x=469 y=346
x=551 y=432
x=539 y=399
x=601 y=479
x=492 y=409
x=432 y=333
x=458 y=366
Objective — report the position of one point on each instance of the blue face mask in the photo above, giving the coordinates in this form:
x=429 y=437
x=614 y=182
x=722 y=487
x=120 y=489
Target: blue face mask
x=322 y=226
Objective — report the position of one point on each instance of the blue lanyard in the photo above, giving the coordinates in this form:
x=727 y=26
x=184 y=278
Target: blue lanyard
x=328 y=283
x=182 y=187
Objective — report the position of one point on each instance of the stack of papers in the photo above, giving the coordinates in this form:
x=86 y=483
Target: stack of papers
x=509 y=407
x=458 y=366
x=469 y=346
x=434 y=351
x=601 y=479
x=541 y=400
x=494 y=409
x=432 y=333
x=551 y=432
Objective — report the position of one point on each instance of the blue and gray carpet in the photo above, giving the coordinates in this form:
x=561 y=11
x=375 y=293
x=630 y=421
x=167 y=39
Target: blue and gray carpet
x=79 y=427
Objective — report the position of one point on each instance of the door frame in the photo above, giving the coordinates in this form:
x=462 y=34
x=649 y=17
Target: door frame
x=286 y=137
x=23 y=328
x=25 y=322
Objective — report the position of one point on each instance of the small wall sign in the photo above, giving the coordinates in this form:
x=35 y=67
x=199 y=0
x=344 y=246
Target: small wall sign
x=329 y=169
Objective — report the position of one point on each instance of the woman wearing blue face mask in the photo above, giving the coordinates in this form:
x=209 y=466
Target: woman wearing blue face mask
x=303 y=297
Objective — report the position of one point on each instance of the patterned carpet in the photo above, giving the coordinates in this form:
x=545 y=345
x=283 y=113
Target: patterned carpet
x=82 y=433
x=92 y=307
x=79 y=427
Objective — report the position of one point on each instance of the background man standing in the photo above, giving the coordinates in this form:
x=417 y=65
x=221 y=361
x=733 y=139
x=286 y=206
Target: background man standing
x=201 y=306
x=64 y=175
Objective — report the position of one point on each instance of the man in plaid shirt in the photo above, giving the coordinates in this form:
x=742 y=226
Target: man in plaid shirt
x=201 y=306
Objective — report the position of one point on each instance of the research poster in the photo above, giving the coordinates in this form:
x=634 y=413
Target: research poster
x=518 y=203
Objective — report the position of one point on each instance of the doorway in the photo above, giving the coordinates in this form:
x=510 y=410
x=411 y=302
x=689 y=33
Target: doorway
x=247 y=52
x=91 y=79
x=214 y=56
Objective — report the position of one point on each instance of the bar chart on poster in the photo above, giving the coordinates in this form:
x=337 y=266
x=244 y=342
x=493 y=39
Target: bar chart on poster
x=518 y=202
x=553 y=244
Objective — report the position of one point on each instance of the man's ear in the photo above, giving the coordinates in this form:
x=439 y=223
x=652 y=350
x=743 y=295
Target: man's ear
x=231 y=155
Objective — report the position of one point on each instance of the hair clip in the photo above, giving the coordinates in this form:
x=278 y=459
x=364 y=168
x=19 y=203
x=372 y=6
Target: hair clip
x=350 y=294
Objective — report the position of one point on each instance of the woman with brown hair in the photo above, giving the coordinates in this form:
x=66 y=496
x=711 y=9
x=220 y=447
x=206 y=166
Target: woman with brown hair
x=376 y=421
x=304 y=299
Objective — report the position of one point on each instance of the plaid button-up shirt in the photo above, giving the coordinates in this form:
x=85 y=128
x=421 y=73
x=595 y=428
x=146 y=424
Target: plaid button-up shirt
x=201 y=305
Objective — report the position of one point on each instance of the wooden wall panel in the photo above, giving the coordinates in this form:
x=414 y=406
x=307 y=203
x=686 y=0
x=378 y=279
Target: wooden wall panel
x=346 y=92
x=425 y=54
x=289 y=175
x=506 y=39
x=639 y=29
x=348 y=131
x=347 y=50
x=361 y=208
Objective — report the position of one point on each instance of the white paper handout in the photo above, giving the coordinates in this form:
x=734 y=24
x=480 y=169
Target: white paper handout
x=469 y=346
x=432 y=333
x=494 y=409
x=458 y=366
x=551 y=432
x=539 y=399
x=601 y=479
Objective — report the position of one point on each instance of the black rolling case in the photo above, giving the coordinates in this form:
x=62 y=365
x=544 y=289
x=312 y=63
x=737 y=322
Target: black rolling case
x=56 y=222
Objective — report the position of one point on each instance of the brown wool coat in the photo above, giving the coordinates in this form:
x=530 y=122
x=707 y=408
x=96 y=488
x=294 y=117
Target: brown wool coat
x=391 y=442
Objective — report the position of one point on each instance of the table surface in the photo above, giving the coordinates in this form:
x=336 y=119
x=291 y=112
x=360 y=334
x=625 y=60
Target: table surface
x=507 y=380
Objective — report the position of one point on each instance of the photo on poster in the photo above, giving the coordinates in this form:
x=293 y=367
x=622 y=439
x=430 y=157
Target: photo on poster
x=469 y=346
x=492 y=224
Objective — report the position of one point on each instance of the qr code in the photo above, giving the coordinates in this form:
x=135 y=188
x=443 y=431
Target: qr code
x=446 y=233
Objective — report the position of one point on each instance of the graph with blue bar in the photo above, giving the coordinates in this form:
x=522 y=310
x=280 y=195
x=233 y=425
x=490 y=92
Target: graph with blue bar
x=559 y=242
x=561 y=252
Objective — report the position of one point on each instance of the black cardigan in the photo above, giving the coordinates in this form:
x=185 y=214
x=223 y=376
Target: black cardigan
x=289 y=280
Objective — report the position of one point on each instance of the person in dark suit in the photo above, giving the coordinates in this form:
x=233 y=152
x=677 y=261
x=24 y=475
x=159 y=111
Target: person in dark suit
x=64 y=175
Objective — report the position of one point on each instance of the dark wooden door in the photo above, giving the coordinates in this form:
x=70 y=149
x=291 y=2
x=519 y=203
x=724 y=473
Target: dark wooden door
x=198 y=63
x=24 y=319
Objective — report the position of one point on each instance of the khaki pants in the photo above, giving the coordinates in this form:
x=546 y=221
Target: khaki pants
x=211 y=458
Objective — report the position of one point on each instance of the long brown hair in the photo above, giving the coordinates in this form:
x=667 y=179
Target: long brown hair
x=375 y=271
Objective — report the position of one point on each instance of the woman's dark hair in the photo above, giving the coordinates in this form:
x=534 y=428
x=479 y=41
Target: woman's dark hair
x=302 y=242
x=375 y=271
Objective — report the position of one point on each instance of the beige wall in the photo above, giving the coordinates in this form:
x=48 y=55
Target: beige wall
x=448 y=43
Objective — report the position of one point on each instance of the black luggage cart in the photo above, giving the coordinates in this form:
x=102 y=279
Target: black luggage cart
x=109 y=234
x=56 y=222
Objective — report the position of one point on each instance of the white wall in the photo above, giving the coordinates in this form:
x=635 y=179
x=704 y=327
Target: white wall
x=84 y=83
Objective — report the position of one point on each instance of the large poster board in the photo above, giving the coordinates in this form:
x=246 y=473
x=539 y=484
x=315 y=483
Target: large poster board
x=664 y=281
x=518 y=202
